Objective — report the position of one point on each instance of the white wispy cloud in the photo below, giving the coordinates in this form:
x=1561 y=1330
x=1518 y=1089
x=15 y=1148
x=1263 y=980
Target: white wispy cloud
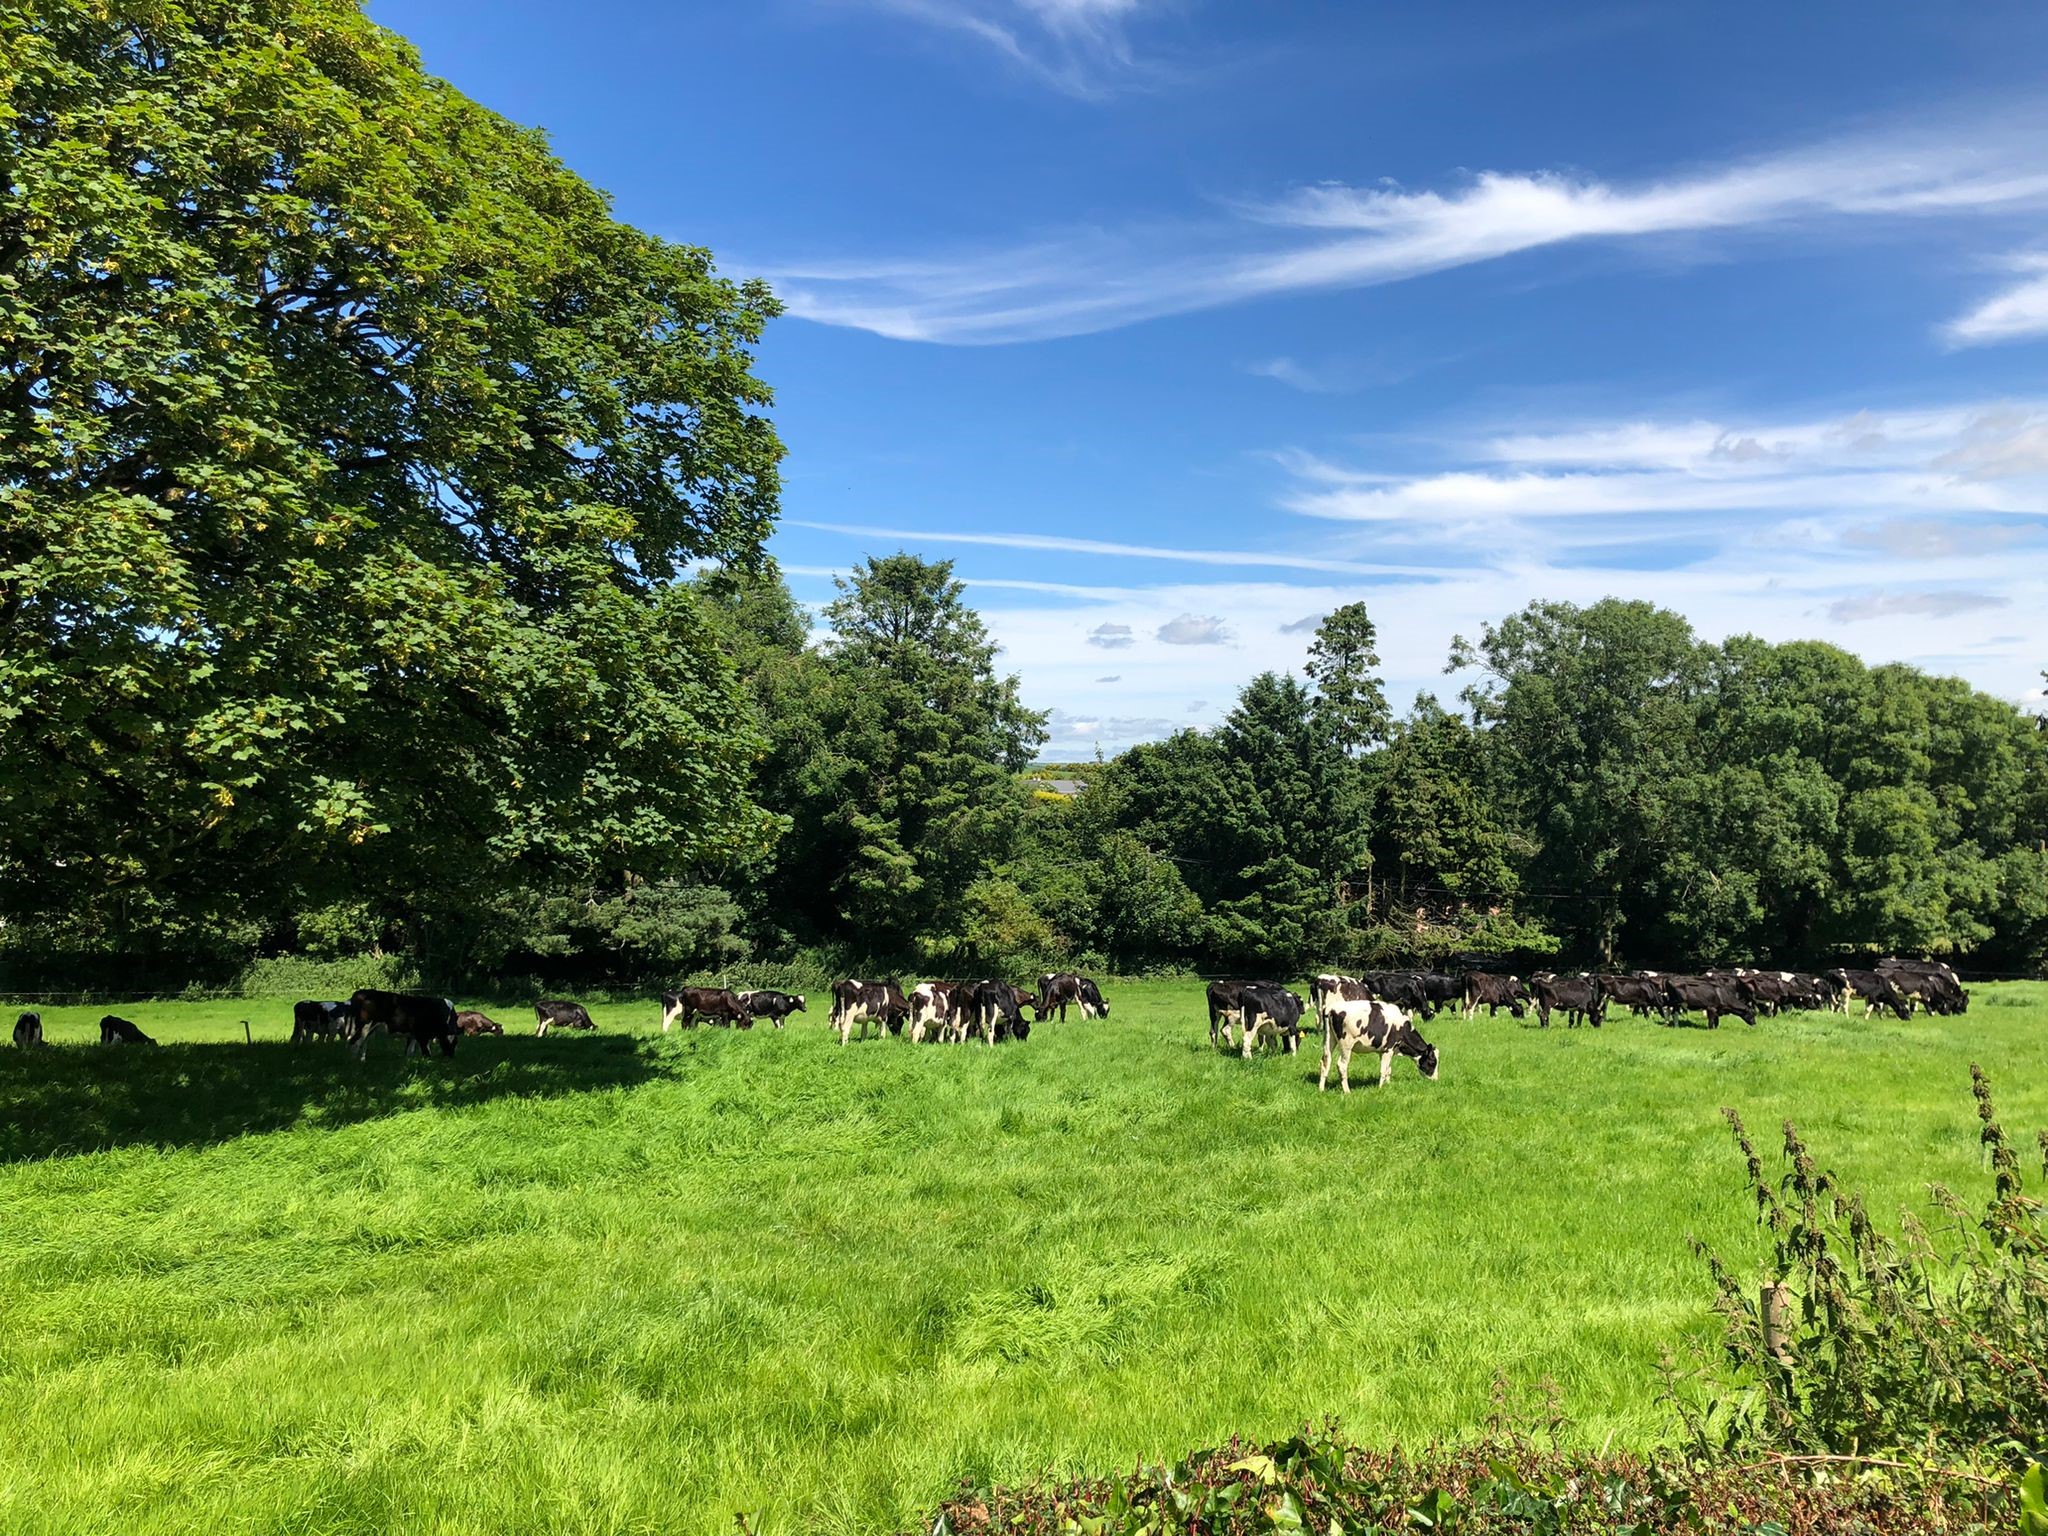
x=1081 y=47
x=1061 y=544
x=1891 y=605
x=1338 y=236
x=2017 y=313
x=1988 y=460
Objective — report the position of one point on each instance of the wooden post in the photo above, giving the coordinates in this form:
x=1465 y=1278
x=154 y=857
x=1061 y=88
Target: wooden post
x=1772 y=1302
x=247 y=1038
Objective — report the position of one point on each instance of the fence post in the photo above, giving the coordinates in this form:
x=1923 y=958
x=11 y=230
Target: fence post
x=1773 y=1301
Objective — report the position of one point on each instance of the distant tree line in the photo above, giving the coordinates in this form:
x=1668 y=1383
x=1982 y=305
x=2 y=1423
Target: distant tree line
x=381 y=571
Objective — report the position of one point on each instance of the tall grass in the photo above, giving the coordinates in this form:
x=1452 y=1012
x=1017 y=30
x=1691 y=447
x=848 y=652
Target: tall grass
x=637 y=1282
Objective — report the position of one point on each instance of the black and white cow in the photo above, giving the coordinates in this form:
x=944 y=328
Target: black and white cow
x=1349 y=1023
x=1876 y=989
x=715 y=1005
x=1930 y=983
x=1712 y=996
x=560 y=1013
x=424 y=1021
x=470 y=1021
x=1262 y=1008
x=116 y=1031
x=1408 y=989
x=765 y=1003
x=931 y=1011
x=1576 y=997
x=1640 y=995
x=319 y=1021
x=1058 y=989
x=1328 y=986
x=864 y=1002
x=1226 y=1006
x=991 y=1007
x=28 y=1031
x=1494 y=993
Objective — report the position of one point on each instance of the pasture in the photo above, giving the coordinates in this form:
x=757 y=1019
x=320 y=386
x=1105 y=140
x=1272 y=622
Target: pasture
x=634 y=1283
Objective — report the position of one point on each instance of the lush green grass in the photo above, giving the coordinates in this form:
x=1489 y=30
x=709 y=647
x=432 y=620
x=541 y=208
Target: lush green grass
x=634 y=1283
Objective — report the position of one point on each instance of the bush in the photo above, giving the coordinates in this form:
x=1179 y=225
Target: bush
x=1932 y=1349
x=1320 y=1482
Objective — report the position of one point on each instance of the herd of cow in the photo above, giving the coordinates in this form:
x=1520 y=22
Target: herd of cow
x=1375 y=1010
x=953 y=1010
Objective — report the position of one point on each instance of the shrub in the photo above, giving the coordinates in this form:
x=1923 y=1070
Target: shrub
x=1930 y=1351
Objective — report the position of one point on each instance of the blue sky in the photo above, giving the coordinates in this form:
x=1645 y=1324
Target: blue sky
x=1177 y=322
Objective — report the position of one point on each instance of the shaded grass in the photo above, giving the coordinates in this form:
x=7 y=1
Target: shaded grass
x=636 y=1282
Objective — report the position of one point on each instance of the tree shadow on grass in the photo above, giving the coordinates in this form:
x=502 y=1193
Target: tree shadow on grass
x=66 y=1100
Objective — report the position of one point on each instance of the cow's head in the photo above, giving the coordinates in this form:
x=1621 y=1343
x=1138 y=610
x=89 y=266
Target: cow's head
x=798 y=1005
x=1425 y=1060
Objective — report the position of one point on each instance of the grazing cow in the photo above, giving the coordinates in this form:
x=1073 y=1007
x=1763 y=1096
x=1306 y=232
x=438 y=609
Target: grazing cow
x=28 y=1031
x=319 y=1021
x=115 y=1031
x=1810 y=993
x=1442 y=989
x=1226 y=1005
x=1876 y=988
x=862 y=1002
x=1351 y=1022
x=992 y=1008
x=424 y=1021
x=1710 y=995
x=1929 y=983
x=558 y=1013
x=773 y=1006
x=1060 y=988
x=1262 y=1007
x=1576 y=997
x=1407 y=989
x=1640 y=995
x=1328 y=986
x=931 y=1010
x=715 y=1005
x=470 y=1022
x=1494 y=993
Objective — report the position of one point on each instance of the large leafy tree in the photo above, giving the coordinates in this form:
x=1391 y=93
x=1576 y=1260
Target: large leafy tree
x=1593 y=715
x=348 y=447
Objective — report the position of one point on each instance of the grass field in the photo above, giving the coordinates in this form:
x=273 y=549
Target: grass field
x=633 y=1283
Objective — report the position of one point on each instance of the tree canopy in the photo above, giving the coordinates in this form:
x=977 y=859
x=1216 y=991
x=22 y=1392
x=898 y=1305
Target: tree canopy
x=348 y=449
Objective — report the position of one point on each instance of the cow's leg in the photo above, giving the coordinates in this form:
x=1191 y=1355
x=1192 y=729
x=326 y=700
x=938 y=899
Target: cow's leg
x=1344 y=1062
x=1386 y=1067
x=1323 y=1082
x=668 y=1016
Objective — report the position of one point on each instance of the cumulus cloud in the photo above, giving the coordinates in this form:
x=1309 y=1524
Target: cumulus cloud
x=1890 y=605
x=1302 y=625
x=1112 y=637
x=1194 y=629
x=2017 y=313
x=1337 y=236
x=1196 y=706
x=1112 y=678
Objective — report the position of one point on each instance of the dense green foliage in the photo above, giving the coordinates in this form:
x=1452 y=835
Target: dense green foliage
x=635 y=1282
x=348 y=448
